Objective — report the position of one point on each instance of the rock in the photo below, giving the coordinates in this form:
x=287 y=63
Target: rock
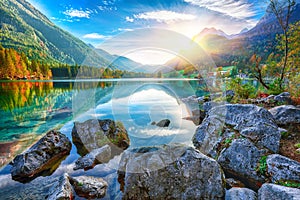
x=286 y=114
x=197 y=117
x=97 y=156
x=236 y=120
x=170 y=172
x=284 y=98
x=240 y=161
x=93 y=134
x=89 y=187
x=240 y=194
x=231 y=182
x=281 y=168
x=42 y=158
x=210 y=104
x=278 y=192
x=62 y=189
x=163 y=123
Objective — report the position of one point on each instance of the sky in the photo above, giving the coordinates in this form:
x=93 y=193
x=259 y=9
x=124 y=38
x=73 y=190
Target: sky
x=95 y=21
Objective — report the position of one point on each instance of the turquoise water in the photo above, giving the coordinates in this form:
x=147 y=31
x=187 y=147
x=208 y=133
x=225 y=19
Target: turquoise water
x=30 y=109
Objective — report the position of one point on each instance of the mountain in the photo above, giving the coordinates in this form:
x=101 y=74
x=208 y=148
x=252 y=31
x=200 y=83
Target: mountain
x=209 y=31
x=124 y=63
x=239 y=48
x=27 y=30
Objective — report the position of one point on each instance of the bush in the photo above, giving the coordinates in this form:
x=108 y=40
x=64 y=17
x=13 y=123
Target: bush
x=275 y=87
x=242 y=91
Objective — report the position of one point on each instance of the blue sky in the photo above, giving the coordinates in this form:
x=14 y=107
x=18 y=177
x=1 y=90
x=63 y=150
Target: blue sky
x=95 y=21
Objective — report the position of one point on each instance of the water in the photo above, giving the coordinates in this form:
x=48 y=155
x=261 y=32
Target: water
x=30 y=109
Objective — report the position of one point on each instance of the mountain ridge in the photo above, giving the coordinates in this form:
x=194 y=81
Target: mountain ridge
x=26 y=29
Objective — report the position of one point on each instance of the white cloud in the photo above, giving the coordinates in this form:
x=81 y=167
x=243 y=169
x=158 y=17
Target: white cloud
x=129 y=19
x=95 y=36
x=78 y=13
x=125 y=29
x=240 y=9
x=165 y=16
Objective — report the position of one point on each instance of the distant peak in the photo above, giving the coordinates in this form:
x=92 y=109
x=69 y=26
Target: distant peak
x=210 y=31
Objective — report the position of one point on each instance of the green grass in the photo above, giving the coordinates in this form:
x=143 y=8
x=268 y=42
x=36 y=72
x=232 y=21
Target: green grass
x=262 y=165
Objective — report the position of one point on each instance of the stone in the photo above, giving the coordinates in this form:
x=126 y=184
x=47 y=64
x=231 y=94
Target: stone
x=278 y=192
x=42 y=158
x=246 y=120
x=284 y=98
x=89 y=187
x=240 y=161
x=281 y=168
x=62 y=189
x=197 y=117
x=163 y=123
x=286 y=114
x=240 y=194
x=97 y=156
x=93 y=134
x=170 y=172
x=231 y=182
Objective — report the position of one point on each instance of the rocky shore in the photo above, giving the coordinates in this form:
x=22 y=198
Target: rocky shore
x=236 y=155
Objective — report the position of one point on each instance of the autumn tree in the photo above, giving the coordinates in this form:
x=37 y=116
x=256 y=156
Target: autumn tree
x=283 y=9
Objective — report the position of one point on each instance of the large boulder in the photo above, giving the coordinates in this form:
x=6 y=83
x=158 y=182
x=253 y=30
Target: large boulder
x=286 y=115
x=61 y=189
x=42 y=158
x=240 y=161
x=97 y=156
x=278 y=192
x=240 y=194
x=283 y=169
x=170 y=172
x=89 y=187
x=93 y=134
x=234 y=121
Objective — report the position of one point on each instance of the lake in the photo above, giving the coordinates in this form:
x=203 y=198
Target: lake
x=29 y=109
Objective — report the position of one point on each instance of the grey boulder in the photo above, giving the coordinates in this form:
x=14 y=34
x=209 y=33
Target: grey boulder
x=97 y=156
x=250 y=121
x=281 y=168
x=278 y=192
x=89 y=187
x=286 y=114
x=93 y=134
x=170 y=172
x=41 y=157
x=62 y=189
x=240 y=161
x=240 y=194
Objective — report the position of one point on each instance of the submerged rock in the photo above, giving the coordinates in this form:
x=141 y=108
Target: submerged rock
x=97 y=156
x=42 y=158
x=282 y=169
x=286 y=115
x=240 y=194
x=170 y=172
x=62 y=189
x=163 y=123
x=278 y=192
x=89 y=187
x=93 y=134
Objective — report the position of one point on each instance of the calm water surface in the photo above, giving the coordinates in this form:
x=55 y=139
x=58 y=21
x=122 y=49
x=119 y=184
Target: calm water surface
x=30 y=109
